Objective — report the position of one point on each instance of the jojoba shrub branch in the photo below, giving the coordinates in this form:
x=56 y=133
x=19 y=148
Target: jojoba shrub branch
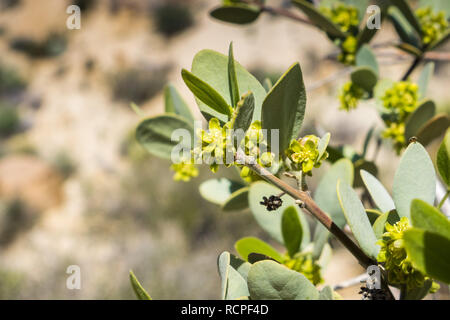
x=310 y=206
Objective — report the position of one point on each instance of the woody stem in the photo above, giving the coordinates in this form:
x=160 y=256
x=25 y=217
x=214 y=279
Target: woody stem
x=310 y=206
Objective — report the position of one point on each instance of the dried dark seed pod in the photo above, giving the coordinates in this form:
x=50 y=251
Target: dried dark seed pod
x=373 y=294
x=272 y=203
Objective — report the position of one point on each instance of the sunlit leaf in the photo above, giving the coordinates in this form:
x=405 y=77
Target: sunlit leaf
x=379 y=194
x=415 y=178
x=155 y=134
x=284 y=107
x=429 y=252
x=443 y=159
x=292 y=230
x=174 y=103
x=248 y=245
x=424 y=112
x=357 y=219
x=140 y=292
x=427 y=217
x=206 y=94
x=268 y=280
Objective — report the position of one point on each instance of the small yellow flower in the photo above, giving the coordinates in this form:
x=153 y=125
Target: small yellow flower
x=345 y=16
x=350 y=96
x=401 y=98
x=393 y=255
x=395 y=132
x=304 y=153
x=255 y=146
x=184 y=171
x=433 y=24
x=348 y=50
x=306 y=265
x=216 y=145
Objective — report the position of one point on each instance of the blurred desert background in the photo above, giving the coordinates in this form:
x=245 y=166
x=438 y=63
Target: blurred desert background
x=75 y=187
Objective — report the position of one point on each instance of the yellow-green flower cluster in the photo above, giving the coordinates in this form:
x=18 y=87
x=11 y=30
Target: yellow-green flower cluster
x=393 y=254
x=395 y=132
x=350 y=95
x=306 y=265
x=348 y=50
x=184 y=171
x=216 y=145
x=433 y=24
x=345 y=16
x=399 y=100
x=304 y=153
x=252 y=144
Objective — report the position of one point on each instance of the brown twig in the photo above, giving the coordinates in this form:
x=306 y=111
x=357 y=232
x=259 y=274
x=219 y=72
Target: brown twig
x=310 y=206
x=278 y=11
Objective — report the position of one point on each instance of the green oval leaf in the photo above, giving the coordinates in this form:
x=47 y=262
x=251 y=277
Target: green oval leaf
x=205 y=93
x=326 y=198
x=323 y=144
x=424 y=112
x=424 y=78
x=357 y=219
x=155 y=134
x=248 y=245
x=429 y=252
x=292 y=231
x=243 y=114
x=268 y=280
x=443 y=159
x=366 y=58
x=404 y=29
x=433 y=128
x=218 y=191
x=236 y=13
x=379 y=225
x=233 y=274
x=427 y=217
x=232 y=78
x=174 y=103
x=284 y=107
x=212 y=67
x=238 y=200
x=364 y=77
x=140 y=292
x=223 y=262
x=377 y=191
x=409 y=15
x=415 y=178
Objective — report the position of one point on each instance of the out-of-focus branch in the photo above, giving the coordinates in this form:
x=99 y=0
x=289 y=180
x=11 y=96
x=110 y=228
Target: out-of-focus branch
x=278 y=11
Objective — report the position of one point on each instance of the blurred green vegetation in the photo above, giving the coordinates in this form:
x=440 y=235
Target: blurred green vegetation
x=53 y=45
x=138 y=84
x=10 y=82
x=9 y=120
x=9 y=4
x=11 y=283
x=172 y=18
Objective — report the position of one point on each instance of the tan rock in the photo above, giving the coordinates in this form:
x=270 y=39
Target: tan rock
x=31 y=180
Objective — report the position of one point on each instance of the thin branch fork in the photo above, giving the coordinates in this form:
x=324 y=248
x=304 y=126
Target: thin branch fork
x=310 y=206
x=278 y=11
